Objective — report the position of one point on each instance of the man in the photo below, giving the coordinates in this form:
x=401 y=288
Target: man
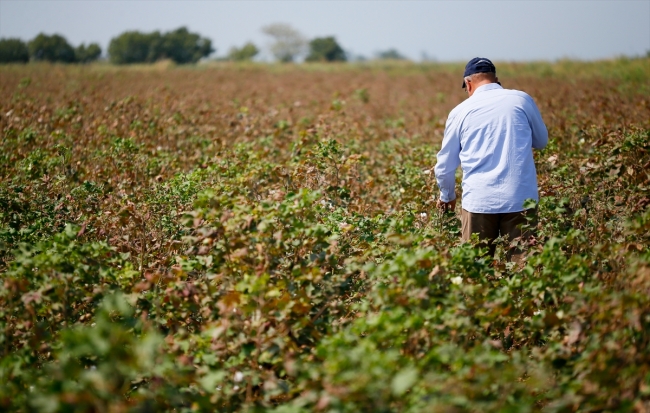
x=491 y=136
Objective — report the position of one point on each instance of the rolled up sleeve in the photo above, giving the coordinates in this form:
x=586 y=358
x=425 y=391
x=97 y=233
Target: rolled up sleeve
x=448 y=159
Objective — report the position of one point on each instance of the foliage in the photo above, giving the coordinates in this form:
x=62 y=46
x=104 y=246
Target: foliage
x=325 y=49
x=86 y=54
x=268 y=242
x=390 y=54
x=180 y=45
x=134 y=47
x=13 y=51
x=242 y=54
x=51 y=48
x=288 y=43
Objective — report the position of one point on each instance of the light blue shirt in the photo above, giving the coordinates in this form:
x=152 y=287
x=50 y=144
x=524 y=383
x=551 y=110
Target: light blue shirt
x=491 y=136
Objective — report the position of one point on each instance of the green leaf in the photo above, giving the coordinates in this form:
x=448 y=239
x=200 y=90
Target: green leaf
x=404 y=380
x=210 y=381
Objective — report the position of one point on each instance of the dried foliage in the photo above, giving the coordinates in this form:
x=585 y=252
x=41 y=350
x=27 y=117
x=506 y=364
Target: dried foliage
x=263 y=238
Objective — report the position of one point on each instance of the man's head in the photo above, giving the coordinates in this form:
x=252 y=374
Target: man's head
x=478 y=65
x=479 y=71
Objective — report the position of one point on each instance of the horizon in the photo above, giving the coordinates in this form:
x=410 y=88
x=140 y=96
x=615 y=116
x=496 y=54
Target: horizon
x=421 y=31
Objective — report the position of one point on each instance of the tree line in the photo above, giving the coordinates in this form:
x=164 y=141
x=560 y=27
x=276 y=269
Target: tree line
x=50 y=48
x=179 y=45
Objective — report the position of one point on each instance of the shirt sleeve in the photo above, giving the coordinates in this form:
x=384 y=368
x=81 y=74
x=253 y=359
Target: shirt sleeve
x=540 y=133
x=448 y=160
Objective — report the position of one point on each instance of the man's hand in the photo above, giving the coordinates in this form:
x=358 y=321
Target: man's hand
x=446 y=206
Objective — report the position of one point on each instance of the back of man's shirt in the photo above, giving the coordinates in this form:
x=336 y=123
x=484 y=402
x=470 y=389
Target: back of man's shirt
x=491 y=135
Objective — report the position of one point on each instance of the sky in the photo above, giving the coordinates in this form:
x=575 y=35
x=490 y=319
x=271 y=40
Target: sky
x=515 y=30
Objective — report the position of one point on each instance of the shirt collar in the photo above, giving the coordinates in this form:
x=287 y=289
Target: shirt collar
x=489 y=86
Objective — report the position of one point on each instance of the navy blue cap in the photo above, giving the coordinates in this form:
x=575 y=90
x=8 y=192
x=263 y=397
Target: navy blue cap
x=478 y=65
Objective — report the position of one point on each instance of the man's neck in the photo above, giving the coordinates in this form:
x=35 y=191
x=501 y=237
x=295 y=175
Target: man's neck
x=479 y=84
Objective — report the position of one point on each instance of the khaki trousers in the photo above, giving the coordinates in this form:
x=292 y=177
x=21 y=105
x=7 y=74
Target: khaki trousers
x=507 y=225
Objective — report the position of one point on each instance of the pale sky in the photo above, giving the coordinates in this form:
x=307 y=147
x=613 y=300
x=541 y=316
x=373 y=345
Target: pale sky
x=445 y=30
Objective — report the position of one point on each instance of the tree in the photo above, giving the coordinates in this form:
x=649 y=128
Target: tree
x=85 y=54
x=134 y=47
x=54 y=48
x=179 y=45
x=245 y=53
x=325 y=49
x=13 y=51
x=390 y=54
x=289 y=43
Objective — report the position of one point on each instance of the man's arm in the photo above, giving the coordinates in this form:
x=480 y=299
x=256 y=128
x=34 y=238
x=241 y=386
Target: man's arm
x=540 y=133
x=448 y=161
